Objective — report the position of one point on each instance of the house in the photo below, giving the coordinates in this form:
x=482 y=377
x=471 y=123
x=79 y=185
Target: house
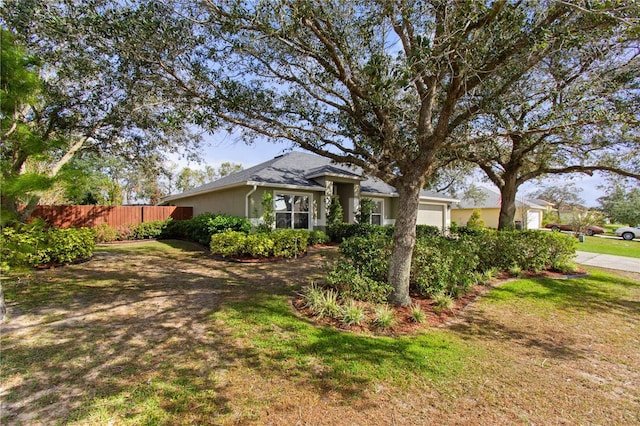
x=529 y=213
x=303 y=186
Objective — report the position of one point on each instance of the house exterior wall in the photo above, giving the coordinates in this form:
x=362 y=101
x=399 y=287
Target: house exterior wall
x=230 y=201
x=491 y=216
x=433 y=214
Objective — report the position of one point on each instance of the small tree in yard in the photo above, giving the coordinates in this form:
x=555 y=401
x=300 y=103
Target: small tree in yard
x=268 y=216
x=475 y=220
x=335 y=214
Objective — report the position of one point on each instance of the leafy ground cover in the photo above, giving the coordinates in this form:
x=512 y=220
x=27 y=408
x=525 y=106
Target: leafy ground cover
x=617 y=247
x=160 y=333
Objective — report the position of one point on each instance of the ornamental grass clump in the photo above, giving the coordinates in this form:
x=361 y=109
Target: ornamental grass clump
x=441 y=302
x=322 y=302
x=384 y=317
x=352 y=314
x=417 y=314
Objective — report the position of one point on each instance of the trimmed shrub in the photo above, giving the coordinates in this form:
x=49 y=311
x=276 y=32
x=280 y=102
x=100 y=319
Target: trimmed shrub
x=229 y=244
x=106 y=233
x=286 y=243
x=289 y=243
x=258 y=245
x=440 y=265
x=370 y=255
x=200 y=228
x=148 y=230
x=318 y=237
x=350 y=283
x=339 y=232
x=34 y=244
x=427 y=231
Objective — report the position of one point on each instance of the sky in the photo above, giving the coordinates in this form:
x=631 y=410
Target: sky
x=223 y=147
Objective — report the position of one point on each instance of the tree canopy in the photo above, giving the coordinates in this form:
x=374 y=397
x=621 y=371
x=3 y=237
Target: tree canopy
x=398 y=88
x=90 y=97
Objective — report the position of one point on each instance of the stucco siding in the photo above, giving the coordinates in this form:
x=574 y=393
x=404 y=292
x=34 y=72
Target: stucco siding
x=490 y=216
x=230 y=201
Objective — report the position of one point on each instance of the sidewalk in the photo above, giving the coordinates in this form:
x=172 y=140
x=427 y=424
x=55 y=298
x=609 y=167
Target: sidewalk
x=630 y=264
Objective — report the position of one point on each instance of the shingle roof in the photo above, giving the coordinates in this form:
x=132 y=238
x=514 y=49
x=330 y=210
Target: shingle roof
x=493 y=200
x=298 y=169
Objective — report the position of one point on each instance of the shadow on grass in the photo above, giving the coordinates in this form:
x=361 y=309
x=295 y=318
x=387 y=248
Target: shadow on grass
x=597 y=293
x=331 y=361
x=126 y=337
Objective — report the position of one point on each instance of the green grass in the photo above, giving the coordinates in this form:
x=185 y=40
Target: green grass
x=285 y=344
x=599 y=291
x=125 y=373
x=610 y=246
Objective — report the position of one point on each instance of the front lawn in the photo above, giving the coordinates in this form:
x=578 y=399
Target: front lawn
x=160 y=333
x=618 y=247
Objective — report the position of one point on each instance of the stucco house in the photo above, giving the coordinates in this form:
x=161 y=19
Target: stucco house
x=529 y=213
x=303 y=186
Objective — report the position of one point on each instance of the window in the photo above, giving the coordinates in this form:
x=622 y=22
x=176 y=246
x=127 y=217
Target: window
x=292 y=211
x=376 y=213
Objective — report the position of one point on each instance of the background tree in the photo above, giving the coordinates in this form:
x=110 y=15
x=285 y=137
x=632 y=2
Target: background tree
x=93 y=95
x=621 y=203
x=391 y=87
x=563 y=196
x=189 y=178
x=574 y=111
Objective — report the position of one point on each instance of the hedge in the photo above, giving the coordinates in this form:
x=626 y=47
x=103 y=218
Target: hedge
x=341 y=231
x=442 y=265
x=285 y=243
x=34 y=244
x=200 y=228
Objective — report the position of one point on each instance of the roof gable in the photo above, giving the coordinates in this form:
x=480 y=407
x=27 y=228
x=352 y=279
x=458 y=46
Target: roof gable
x=298 y=170
x=493 y=200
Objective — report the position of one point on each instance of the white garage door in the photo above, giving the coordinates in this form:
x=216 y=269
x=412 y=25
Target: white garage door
x=429 y=214
x=533 y=219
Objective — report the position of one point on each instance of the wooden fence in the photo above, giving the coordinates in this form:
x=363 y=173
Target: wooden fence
x=91 y=216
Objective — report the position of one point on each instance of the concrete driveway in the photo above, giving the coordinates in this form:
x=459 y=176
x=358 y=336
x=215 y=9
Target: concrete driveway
x=630 y=264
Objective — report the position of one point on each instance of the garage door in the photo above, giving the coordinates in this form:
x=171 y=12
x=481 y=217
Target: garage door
x=533 y=220
x=429 y=214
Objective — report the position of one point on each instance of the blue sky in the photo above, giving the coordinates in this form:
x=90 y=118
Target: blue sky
x=223 y=147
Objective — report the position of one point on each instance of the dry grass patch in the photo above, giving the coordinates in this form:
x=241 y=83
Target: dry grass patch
x=159 y=333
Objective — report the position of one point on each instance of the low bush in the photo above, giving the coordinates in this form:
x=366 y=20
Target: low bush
x=200 y=228
x=106 y=233
x=446 y=266
x=35 y=244
x=286 y=243
x=340 y=232
x=148 y=230
x=350 y=283
x=318 y=237
x=441 y=265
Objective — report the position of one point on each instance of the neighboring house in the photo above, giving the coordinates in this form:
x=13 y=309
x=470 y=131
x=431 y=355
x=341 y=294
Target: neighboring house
x=303 y=186
x=529 y=212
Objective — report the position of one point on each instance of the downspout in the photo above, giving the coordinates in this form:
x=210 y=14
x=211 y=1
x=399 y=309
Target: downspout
x=246 y=202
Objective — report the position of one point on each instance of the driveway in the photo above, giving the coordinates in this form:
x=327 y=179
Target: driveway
x=621 y=263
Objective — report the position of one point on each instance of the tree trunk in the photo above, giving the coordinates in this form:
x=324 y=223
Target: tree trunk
x=508 y=202
x=404 y=240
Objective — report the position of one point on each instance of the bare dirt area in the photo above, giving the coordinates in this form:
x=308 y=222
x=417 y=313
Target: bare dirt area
x=129 y=338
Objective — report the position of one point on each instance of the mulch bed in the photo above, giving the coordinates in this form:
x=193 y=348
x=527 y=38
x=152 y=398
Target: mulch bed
x=405 y=324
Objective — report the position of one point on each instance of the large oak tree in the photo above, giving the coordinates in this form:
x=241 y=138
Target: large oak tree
x=388 y=86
